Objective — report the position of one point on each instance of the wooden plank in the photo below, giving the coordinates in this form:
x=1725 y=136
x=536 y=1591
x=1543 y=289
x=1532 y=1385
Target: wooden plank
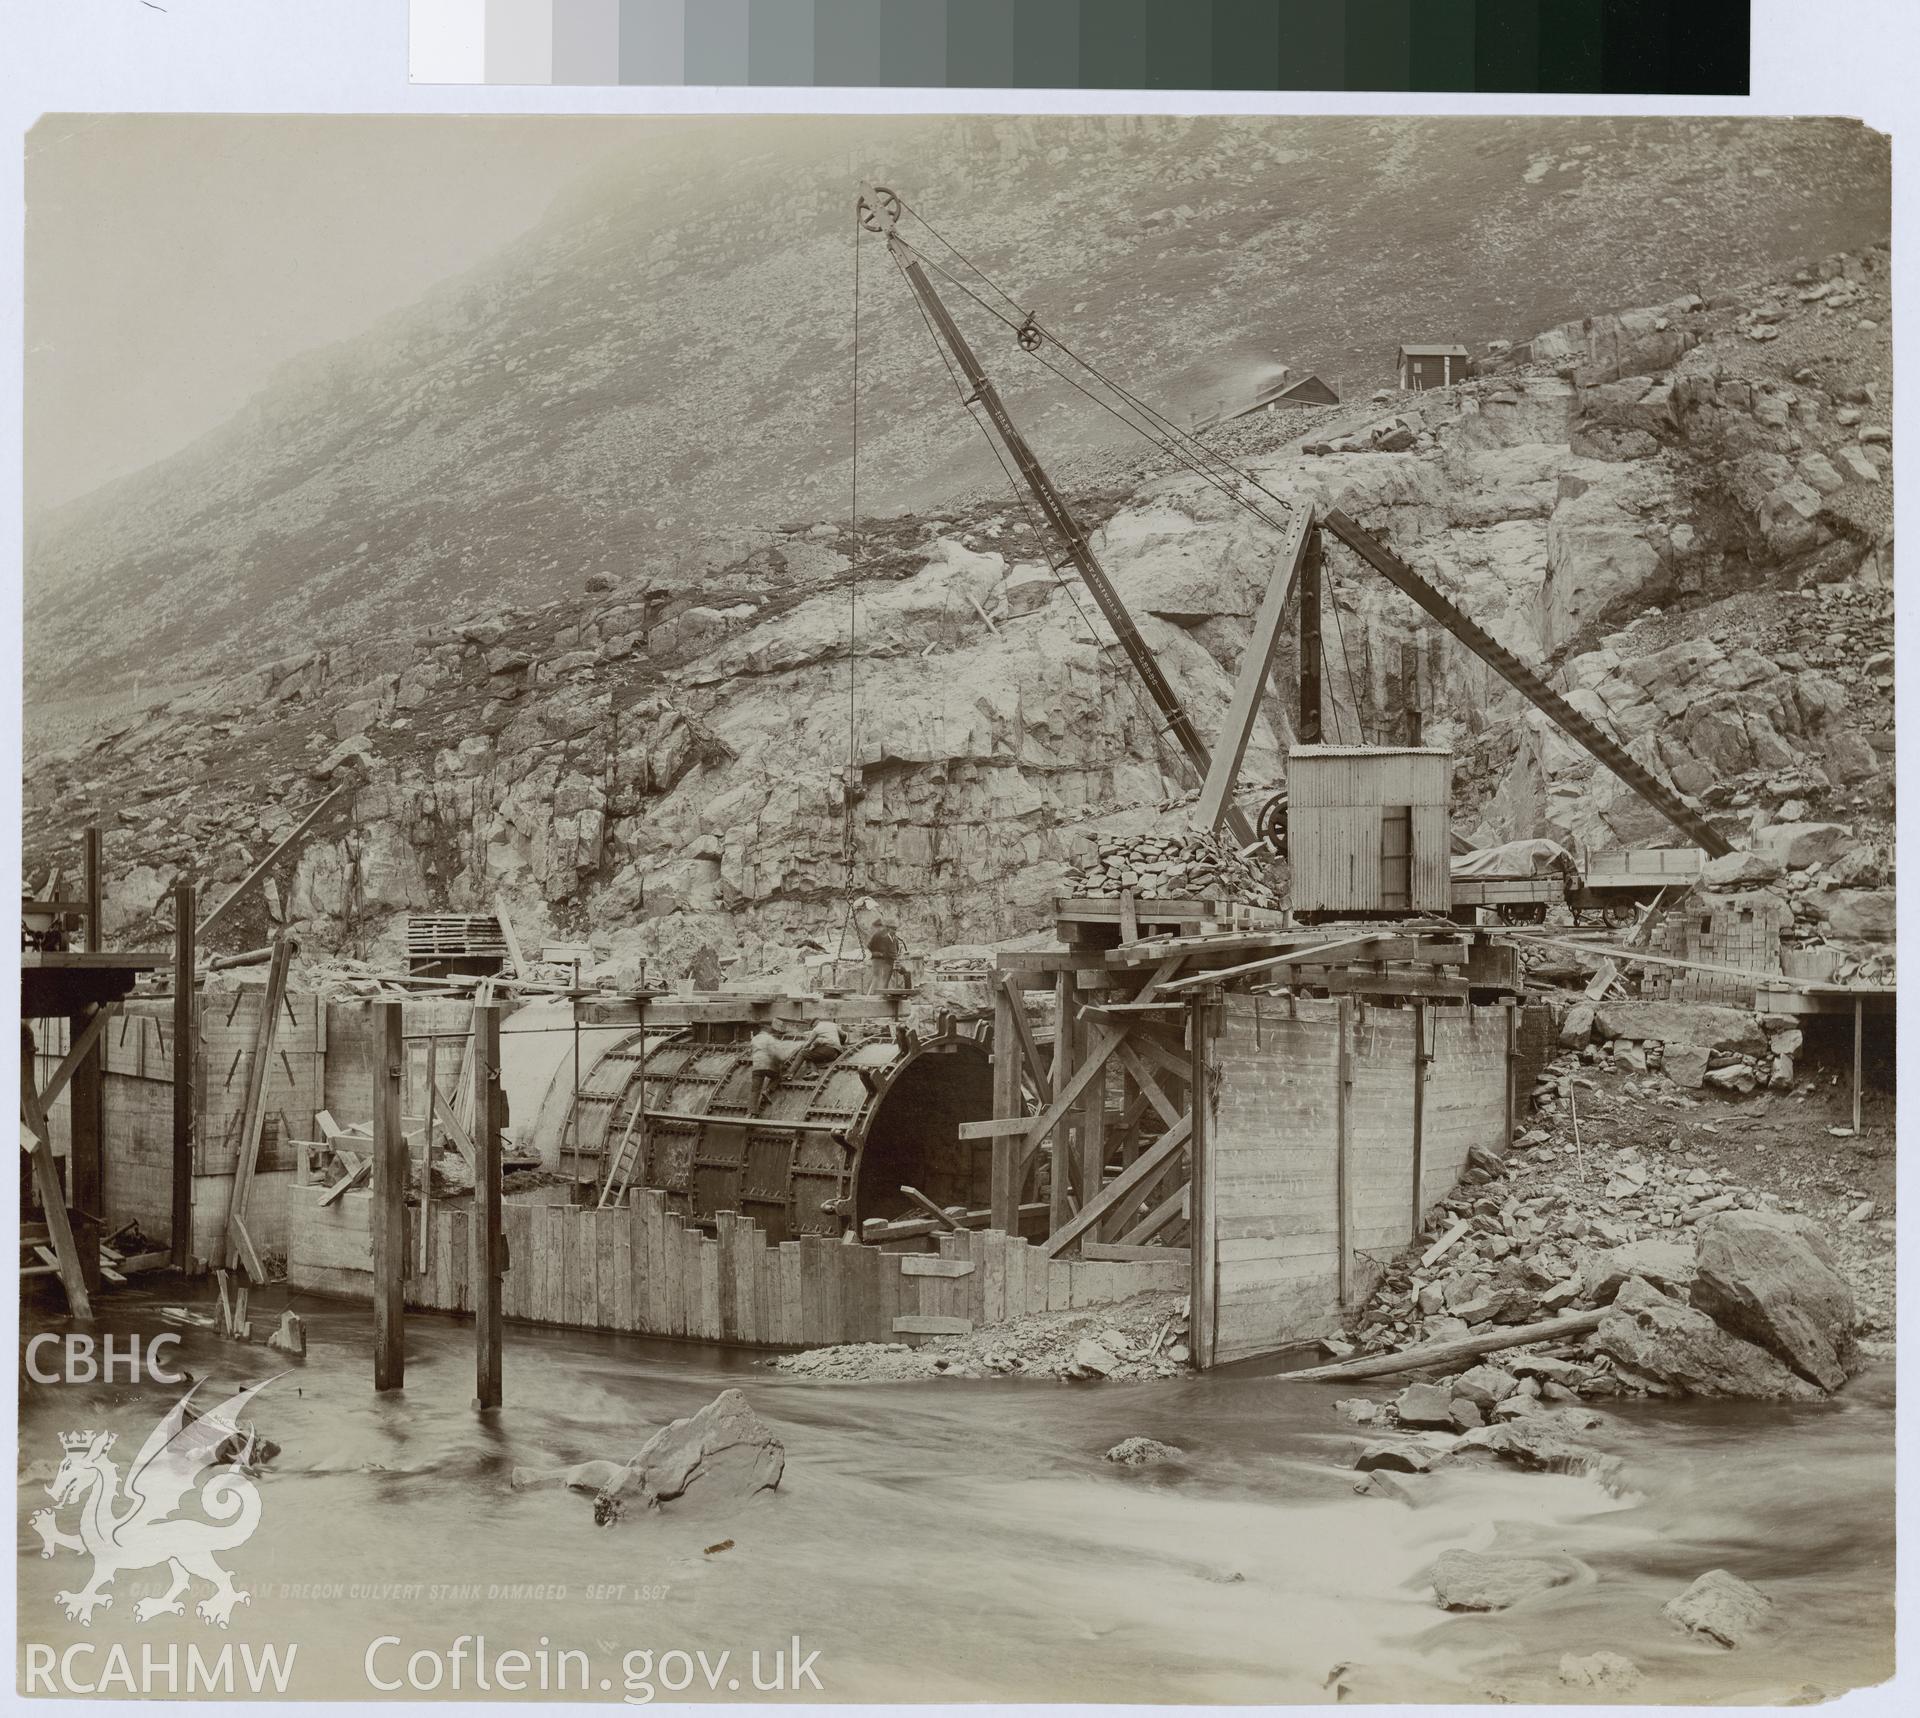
x=1318 y=953
x=53 y=1209
x=1035 y=1063
x=1169 y=1208
x=993 y=1276
x=678 y=1265
x=1017 y=1251
x=1250 y=683
x=1106 y=1041
x=934 y=1211
x=1445 y=1353
x=606 y=1314
x=1124 y=1185
x=515 y=960
x=462 y=1142
x=790 y=1301
x=648 y=1204
x=77 y=1053
x=266 y=864
x=1001 y=1127
x=1115 y=1252
x=1048 y=962
x=1129 y=921
x=927 y=1265
x=707 y=1254
x=929 y=1324
x=239 y=1245
x=1150 y=1088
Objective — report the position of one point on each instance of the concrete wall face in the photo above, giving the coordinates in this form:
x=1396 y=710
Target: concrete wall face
x=1276 y=1152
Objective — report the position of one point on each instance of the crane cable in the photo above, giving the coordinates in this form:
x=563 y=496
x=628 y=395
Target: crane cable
x=1184 y=446
x=847 y=831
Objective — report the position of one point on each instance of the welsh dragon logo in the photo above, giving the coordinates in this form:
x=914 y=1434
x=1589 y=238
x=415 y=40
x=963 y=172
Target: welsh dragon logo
x=138 y=1524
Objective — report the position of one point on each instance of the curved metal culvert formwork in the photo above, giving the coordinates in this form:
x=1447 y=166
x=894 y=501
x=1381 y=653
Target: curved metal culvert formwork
x=830 y=1149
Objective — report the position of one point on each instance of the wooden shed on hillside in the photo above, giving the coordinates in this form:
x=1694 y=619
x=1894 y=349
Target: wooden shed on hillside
x=1433 y=366
x=1369 y=833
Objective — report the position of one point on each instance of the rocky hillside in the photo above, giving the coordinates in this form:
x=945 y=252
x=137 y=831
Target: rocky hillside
x=650 y=382
x=1684 y=509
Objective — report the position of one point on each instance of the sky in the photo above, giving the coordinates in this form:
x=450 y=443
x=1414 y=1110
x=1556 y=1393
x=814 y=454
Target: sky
x=174 y=261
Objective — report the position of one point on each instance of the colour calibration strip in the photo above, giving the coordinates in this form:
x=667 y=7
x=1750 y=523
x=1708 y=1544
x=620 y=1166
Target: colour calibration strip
x=1598 y=47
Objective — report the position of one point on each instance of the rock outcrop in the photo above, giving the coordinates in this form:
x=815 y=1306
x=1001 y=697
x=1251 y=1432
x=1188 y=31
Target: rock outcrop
x=1653 y=1336
x=1771 y=1278
x=721 y=1453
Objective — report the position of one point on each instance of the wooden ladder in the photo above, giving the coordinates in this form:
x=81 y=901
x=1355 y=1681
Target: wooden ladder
x=620 y=1165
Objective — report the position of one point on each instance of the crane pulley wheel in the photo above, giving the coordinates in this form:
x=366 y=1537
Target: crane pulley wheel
x=879 y=209
x=1272 y=824
x=1029 y=335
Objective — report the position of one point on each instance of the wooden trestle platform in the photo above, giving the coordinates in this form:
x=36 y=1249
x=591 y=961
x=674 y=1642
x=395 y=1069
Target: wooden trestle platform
x=1095 y=1113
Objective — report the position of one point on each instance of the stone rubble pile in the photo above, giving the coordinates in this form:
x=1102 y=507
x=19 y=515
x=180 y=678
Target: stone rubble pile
x=1705 y=1289
x=1185 y=866
x=1145 y=1337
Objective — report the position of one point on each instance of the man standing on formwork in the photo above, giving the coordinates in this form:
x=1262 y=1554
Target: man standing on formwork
x=883 y=946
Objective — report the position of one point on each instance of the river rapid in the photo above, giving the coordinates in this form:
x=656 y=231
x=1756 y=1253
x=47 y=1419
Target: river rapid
x=965 y=1540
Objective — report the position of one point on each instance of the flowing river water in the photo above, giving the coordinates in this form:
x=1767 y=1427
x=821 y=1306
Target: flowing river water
x=954 y=1540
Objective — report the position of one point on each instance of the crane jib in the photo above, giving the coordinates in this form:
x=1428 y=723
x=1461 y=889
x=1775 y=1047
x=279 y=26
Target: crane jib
x=1139 y=653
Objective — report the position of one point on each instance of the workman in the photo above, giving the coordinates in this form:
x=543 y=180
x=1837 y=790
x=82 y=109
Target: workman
x=824 y=1043
x=883 y=947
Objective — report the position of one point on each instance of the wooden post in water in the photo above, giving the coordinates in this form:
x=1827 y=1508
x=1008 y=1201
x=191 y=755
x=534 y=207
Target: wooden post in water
x=489 y=1249
x=184 y=957
x=1003 y=1195
x=389 y=1214
x=1202 y=1236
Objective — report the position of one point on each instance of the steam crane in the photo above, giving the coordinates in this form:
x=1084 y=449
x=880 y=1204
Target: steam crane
x=880 y=213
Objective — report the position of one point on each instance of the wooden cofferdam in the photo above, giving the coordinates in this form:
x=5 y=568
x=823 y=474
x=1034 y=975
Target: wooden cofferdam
x=830 y=1148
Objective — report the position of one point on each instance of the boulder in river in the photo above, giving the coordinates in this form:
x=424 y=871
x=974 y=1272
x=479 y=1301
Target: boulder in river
x=1539 y=1445
x=1484 y=1385
x=1720 y=1606
x=1143 y=1452
x=1480 y=1581
x=1394 y=1456
x=1771 y=1278
x=724 y=1451
x=1654 y=1336
x=1607 y=1672
x=1425 y=1405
